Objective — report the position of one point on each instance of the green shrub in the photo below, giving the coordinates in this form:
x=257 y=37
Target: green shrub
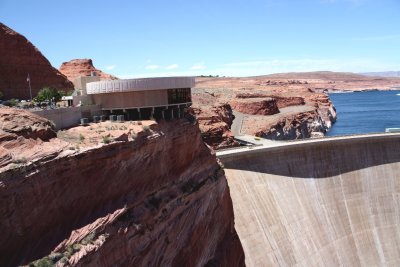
x=106 y=139
x=11 y=103
x=48 y=93
x=146 y=127
x=81 y=137
x=44 y=262
x=88 y=239
x=56 y=256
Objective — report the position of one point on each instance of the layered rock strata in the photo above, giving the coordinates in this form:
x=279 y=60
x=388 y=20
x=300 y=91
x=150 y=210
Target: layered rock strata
x=20 y=58
x=259 y=106
x=82 y=67
x=297 y=126
x=159 y=198
x=279 y=109
x=215 y=120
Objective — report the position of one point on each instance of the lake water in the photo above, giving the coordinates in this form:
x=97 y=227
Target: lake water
x=365 y=112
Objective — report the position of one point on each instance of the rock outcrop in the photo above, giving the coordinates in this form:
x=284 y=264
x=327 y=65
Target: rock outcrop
x=298 y=126
x=15 y=123
x=25 y=136
x=82 y=67
x=158 y=199
x=18 y=58
x=215 y=120
x=259 y=106
x=274 y=109
x=281 y=102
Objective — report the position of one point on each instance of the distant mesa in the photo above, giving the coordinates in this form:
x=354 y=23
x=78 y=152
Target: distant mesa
x=83 y=67
x=18 y=58
x=317 y=75
x=382 y=74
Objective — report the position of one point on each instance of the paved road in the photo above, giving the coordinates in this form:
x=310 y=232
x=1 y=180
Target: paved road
x=236 y=127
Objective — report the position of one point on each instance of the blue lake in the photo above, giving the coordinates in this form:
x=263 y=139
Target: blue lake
x=365 y=112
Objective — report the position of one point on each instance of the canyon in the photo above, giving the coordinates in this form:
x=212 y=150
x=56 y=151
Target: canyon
x=283 y=106
x=279 y=110
x=147 y=195
x=20 y=58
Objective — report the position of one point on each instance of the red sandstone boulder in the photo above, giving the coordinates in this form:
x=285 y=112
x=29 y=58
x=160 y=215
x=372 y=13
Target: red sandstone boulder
x=15 y=123
x=82 y=67
x=18 y=58
x=25 y=137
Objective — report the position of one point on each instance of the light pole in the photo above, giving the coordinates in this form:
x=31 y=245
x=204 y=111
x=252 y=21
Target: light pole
x=30 y=89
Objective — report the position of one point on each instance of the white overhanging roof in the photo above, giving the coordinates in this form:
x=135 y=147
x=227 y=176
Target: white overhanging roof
x=143 y=84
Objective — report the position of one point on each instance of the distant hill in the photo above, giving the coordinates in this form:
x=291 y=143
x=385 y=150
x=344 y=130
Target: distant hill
x=382 y=74
x=317 y=75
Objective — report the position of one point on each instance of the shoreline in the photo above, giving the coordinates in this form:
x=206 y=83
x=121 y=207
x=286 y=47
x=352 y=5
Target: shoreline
x=329 y=91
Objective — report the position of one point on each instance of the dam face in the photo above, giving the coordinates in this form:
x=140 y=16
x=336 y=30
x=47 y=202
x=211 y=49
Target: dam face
x=318 y=203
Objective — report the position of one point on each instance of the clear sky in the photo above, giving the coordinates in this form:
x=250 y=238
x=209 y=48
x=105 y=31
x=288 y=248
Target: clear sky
x=234 y=38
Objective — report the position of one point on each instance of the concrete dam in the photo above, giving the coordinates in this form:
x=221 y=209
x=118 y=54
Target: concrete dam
x=326 y=202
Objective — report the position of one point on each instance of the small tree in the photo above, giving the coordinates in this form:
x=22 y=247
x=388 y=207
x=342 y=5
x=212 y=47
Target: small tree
x=48 y=93
x=1 y=95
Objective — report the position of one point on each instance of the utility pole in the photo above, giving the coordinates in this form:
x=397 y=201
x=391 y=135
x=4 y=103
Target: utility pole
x=30 y=89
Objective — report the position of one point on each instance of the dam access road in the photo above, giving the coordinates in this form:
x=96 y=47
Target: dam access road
x=324 y=202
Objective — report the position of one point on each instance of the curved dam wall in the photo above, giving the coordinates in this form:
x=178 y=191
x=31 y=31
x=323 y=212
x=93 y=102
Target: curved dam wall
x=334 y=202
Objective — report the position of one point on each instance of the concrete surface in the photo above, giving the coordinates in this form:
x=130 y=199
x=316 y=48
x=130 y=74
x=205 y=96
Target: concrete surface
x=67 y=117
x=325 y=202
x=62 y=117
x=236 y=127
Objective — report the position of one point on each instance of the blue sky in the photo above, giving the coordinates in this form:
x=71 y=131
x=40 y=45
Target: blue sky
x=219 y=37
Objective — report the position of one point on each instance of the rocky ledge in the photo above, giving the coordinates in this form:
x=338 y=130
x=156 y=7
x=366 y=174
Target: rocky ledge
x=155 y=197
x=215 y=119
x=277 y=109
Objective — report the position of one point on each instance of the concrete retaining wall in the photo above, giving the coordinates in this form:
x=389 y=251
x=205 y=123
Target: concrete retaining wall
x=68 y=117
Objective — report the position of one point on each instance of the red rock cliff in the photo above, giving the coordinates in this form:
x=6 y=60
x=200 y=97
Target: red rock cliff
x=82 y=67
x=18 y=58
x=158 y=200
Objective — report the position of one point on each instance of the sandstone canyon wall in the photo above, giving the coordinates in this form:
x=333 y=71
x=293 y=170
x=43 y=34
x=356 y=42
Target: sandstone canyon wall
x=158 y=200
x=18 y=58
x=272 y=109
x=82 y=67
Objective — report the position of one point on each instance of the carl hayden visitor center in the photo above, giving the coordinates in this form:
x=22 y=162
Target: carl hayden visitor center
x=137 y=99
